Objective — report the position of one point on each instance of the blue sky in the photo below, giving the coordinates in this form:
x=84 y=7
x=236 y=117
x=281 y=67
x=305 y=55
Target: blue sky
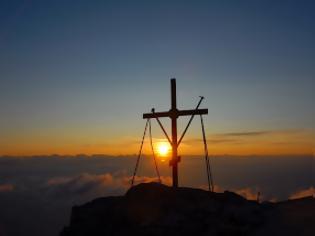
x=81 y=71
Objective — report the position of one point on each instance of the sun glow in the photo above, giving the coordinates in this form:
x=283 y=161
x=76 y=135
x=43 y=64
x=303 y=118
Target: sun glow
x=163 y=149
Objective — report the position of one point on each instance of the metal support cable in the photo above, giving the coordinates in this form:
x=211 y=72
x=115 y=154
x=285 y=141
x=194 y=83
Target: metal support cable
x=153 y=153
x=140 y=151
x=209 y=174
x=189 y=122
x=160 y=124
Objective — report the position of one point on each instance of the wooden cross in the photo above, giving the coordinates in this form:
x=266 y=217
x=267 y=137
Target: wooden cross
x=173 y=114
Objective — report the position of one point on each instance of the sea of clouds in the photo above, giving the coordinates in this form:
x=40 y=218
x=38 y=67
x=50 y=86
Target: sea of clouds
x=37 y=193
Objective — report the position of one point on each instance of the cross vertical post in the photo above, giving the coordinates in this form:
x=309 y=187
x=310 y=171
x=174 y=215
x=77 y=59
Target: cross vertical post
x=174 y=116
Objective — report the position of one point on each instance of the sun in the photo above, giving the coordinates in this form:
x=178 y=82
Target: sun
x=163 y=149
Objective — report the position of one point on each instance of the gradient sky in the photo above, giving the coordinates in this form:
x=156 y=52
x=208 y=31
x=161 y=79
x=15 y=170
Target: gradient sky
x=76 y=76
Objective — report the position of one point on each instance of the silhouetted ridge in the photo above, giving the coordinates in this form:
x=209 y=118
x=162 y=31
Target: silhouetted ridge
x=155 y=209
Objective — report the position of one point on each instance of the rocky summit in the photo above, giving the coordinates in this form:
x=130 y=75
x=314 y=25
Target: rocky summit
x=154 y=209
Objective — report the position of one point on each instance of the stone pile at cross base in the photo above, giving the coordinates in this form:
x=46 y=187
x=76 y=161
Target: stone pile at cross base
x=154 y=209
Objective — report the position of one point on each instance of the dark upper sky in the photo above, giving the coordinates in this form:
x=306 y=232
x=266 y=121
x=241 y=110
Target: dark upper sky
x=81 y=72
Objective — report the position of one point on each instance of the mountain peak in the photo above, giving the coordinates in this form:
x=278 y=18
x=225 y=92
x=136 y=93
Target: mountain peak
x=156 y=209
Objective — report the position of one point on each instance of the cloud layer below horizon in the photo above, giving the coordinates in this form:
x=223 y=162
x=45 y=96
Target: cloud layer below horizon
x=46 y=188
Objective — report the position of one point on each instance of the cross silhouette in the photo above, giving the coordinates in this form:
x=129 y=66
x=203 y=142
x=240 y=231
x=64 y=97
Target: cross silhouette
x=173 y=114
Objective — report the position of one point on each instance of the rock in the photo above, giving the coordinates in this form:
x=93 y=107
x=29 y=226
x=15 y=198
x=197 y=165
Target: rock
x=155 y=209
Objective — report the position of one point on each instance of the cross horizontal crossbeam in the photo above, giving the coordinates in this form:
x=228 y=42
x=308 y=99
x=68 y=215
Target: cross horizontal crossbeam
x=176 y=113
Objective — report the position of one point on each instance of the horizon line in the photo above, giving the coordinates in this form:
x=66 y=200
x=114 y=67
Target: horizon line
x=103 y=155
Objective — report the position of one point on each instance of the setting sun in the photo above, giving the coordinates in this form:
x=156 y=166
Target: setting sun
x=163 y=149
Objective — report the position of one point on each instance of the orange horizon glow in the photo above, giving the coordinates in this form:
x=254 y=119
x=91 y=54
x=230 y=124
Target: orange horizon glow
x=163 y=151
x=273 y=143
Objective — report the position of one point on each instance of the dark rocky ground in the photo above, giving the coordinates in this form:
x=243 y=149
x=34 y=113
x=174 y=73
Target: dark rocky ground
x=155 y=209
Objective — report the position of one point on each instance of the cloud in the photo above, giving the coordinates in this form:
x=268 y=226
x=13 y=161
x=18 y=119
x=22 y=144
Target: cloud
x=238 y=137
x=211 y=140
x=51 y=185
x=303 y=193
x=249 y=133
x=262 y=133
x=218 y=141
x=248 y=193
x=6 y=188
x=81 y=184
x=96 y=185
